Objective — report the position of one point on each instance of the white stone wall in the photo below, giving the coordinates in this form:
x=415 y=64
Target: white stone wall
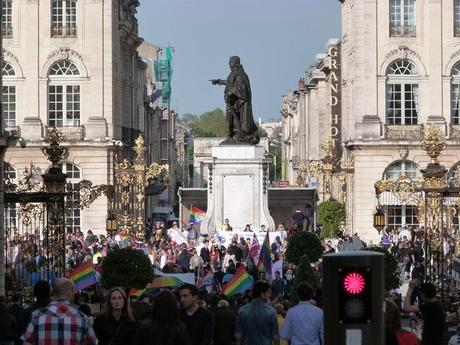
x=111 y=80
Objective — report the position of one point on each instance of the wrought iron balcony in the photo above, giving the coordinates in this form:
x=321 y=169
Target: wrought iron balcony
x=13 y=130
x=454 y=132
x=457 y=31
x=403 y=31
x=404 y=132
x=70 y=133
x=63 y=31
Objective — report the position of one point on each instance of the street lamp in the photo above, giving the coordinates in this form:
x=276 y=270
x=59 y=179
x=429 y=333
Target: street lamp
x=379 y=220
x=111 y=224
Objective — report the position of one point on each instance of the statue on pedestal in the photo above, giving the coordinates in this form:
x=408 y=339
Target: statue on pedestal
x=241 y=128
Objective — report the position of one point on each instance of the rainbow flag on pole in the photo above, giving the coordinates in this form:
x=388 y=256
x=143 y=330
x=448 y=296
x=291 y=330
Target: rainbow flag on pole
x=239 y=283
x=196 y=215
x=83 y=276
x=136 y=292
x=265 y=256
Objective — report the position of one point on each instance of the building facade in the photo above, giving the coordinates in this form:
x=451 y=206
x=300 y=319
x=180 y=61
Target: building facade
x=74 y=65
x=398 y=64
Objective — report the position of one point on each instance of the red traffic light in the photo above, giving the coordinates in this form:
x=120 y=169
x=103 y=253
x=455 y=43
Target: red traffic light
x=354 y=283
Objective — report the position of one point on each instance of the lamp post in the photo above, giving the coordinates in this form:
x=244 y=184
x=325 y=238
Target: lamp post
x=111 y=224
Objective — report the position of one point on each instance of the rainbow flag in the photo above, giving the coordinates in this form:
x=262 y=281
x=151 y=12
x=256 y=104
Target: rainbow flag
x=265 y=256
x=83 y=276
x=196 y=215
x=240 y=282
x=136 y=292
x=165 y=282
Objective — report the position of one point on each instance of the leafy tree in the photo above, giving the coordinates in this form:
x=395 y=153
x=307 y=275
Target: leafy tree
x=392 y=274
x=306 y=273
x=209 y=124
x=301 y=244
x=128 y=268
x=331 y=214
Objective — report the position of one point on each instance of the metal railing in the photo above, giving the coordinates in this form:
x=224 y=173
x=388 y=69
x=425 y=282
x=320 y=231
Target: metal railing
x=71 y=133
x=403 y=31
x=63 y=31
x=403 y=132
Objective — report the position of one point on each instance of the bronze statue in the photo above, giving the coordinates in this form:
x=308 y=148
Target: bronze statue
x=241 y=126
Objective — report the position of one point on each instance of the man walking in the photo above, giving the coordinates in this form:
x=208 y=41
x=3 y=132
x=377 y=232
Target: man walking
x=304 y=322
x=257 y=323
x=61 y=321
x=199 y=321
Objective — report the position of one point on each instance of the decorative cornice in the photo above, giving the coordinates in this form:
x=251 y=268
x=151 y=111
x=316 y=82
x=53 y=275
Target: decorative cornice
x=404 y=52
x=9 y=55
x=65 y=54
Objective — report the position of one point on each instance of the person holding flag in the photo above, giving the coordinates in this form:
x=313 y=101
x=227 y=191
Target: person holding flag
x=265 y=257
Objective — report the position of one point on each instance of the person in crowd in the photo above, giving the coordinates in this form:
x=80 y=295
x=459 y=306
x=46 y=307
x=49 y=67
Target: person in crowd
x=116 y=326
x=278 y=285
x=257 y=323
x=204 y=252
x=295 y=329
x=280 y=314
x=8 y=326
x=198 y=321
x=164 y=327
x=434 y=318
x=215 y=256
x=298 y=217
x=42 y=294
x=226 y=226
x=394 y=335
x=224 y=324
x=60 y=314
x=247 y=228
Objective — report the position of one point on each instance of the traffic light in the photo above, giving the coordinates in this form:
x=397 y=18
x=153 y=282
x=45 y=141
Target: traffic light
x=353 y=297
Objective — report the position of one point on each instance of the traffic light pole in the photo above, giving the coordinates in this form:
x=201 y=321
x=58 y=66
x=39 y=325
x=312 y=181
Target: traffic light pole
x=353 y=298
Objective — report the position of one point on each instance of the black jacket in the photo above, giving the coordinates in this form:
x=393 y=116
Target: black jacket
x=123 y=331
x=152 y=333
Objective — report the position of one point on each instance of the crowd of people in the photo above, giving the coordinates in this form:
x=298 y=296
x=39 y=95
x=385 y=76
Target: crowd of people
x=191 y=314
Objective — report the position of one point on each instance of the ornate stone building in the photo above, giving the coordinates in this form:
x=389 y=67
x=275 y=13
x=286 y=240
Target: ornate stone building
x=74 y=65
x=395 y=70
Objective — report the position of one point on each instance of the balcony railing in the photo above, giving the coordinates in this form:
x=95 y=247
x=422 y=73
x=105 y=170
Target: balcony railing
x=7 y=32
x=13 y=130
x=71 y=133
x=454 y=132
x=404 y=132
x=403 y=31
x=63 y=31
x=457 y=31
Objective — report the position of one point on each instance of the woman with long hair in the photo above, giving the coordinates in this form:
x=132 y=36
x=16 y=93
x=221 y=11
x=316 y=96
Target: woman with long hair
x=116 y=326
x=164 y=328
x=394 y=335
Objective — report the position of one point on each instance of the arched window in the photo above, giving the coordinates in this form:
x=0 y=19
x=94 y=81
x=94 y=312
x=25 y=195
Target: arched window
x=7 y=18
x=63 y=18
x=8 y=96
x=402 y=93
x=73 y=215
x=402 y=18
x=63 y=95
x=455 y=94
x=401 y=168
x=399 y=216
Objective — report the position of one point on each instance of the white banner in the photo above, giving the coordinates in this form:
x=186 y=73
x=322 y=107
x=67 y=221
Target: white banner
x=225 y=237
x=277 y=266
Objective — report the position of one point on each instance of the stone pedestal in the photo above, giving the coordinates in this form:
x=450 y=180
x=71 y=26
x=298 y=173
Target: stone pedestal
x=237 y=188
x=32 y=129
x=96 y=128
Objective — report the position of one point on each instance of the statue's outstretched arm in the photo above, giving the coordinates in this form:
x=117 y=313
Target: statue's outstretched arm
x=218 y=82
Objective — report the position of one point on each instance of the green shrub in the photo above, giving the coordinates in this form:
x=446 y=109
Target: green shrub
x=128 y=268
x=304 y=243
x=392 y=274
x=331 y=214
x=306 y=273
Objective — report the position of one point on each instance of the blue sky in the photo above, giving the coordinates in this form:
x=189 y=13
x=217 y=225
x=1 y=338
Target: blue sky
x=276 y=39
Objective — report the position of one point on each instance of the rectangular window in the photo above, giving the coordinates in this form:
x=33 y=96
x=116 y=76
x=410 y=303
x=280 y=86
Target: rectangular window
x=73 y=214
x=63 y=105
x=455 y=102
x=457 y=18
x=402 y=104
x=64 y=18
x=402 y=18
x=399 y=216
x=7 y=18
x=9 y=105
